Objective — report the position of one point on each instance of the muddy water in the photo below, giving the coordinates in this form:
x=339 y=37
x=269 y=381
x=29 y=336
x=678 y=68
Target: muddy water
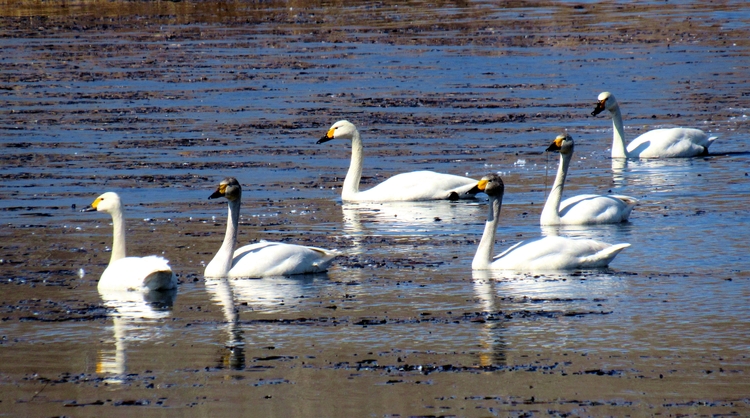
x=160 y=101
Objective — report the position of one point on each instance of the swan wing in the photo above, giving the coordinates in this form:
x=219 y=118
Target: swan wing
x=420 y=185
x=265 y=258
x=557 y=253
x=138 y=273
x=596 y=209
x=670 y=143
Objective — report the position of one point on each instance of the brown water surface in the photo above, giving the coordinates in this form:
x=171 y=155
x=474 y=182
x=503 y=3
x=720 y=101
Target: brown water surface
x=161 y=100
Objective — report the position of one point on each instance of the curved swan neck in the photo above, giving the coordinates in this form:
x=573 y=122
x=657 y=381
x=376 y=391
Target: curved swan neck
x=551 y=211
x=118 y=236
x=222 y=261
x=618 y=135
x=483 y=257
x=354 y=175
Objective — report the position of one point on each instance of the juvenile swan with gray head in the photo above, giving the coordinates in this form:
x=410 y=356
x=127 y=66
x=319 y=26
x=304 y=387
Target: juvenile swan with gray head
x=264 y=258
x=542 y=254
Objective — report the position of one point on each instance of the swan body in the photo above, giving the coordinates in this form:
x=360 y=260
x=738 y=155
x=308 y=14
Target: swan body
x=412 y=186
x=657 y=143
x=129 y=273
x=264 y=258
x=551 y=253
x=583 y=209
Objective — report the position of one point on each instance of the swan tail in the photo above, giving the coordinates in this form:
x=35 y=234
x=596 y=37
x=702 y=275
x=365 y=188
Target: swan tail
x=603 y=257
x=629 y=202
x=160 y=280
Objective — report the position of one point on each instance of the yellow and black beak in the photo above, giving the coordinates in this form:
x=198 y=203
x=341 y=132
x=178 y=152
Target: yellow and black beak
x=600 y=107
x=92 y=207
x=556 y=145
x=327 y=137
x=220 y=191
x=479 y=187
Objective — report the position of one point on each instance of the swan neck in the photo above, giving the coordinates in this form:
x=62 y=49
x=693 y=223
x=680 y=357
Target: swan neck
x=618 y=135
x=222 y=261
x=354 y=175
x=551 y=211
x=118 y=236
x=483 y=257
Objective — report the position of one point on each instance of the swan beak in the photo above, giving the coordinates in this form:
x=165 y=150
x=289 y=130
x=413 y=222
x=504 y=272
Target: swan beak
x=556 y=145
x=479 y=187
x=599 y=108
x=327 y=137
x=92 y=207
x=220 y=192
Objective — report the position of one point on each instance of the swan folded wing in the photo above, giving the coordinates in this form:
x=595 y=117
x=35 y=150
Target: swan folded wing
x=557 y=253
x=265 y=259
x=596 y=209
x=670 y=142
x=138 y=273
x=419 y=185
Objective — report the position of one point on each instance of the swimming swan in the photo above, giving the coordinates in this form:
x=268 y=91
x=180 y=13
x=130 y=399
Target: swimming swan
x=413 y=186
x=264 y=258
x=658 y=143
x=582 y=209
x=546 y=253
x=129 y=273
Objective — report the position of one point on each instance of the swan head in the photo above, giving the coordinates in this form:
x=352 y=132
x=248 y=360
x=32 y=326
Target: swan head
x=491 y=184
x=605 y=101
x=562 y=144
x=108 y=203
x=229 y=188
x=340 y=129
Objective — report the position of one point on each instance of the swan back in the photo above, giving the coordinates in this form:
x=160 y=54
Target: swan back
x=138 y=273
x=554 y=253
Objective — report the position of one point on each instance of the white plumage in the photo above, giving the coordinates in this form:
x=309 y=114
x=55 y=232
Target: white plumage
x=264 y=258
x=412 y=186
x=658 y=143
x=550 y=253
x=129 y=273
x=582 y=209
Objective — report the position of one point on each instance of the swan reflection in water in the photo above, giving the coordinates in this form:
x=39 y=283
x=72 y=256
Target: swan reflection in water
x=363 y=220
x=647 y=175
x=136 y=316
x=221 y=293
x=544 y=299
x=265 y=295
x=492 y=338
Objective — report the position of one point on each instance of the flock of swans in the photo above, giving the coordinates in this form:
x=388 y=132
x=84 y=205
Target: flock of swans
x=264 y=259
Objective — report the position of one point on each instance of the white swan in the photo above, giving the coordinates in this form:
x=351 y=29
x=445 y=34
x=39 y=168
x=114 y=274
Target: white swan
x=413 y=186
x=264 y=258
x=541 y=254
x=658 y=143
x=582 y=209
x=129 y=273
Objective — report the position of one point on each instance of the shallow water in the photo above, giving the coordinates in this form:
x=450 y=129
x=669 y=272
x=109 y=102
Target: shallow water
x=159 y=102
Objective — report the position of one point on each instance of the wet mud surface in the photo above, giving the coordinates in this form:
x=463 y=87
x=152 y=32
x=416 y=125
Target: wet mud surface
x=161 y=100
